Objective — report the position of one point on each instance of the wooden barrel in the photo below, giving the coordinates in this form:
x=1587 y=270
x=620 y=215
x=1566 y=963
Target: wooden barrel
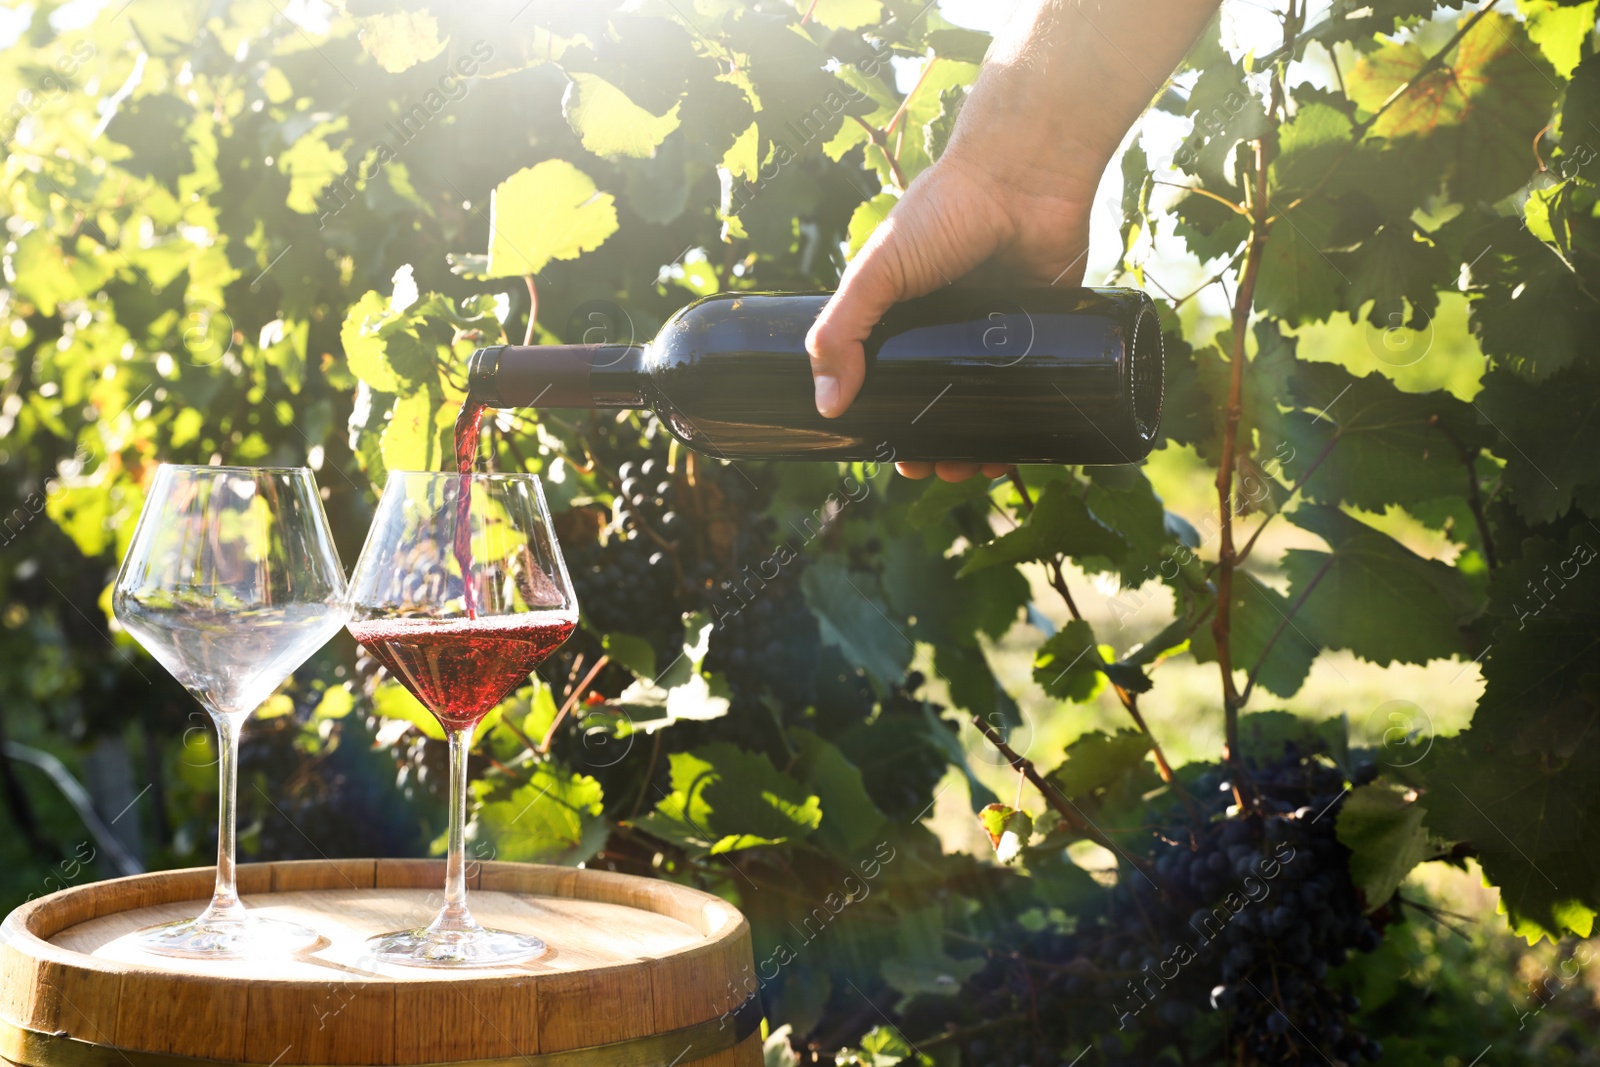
x=638 y=973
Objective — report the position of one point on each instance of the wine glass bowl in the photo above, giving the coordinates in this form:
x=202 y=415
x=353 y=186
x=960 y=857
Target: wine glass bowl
x=231 y=582
x=460 y=592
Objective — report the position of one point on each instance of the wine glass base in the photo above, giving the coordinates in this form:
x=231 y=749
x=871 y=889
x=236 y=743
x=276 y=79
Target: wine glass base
x=227 y=939
x=455 y=948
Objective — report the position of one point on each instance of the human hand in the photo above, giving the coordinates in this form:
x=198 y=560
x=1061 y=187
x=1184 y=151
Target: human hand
x=1059 y=89
x=953 y=218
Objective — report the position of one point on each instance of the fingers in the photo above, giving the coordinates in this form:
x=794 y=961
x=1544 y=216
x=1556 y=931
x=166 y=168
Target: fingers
x=875 y=279
x=953 y=472
x=945 y=225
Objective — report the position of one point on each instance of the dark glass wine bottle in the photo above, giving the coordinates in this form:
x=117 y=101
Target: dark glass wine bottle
x=996 y=376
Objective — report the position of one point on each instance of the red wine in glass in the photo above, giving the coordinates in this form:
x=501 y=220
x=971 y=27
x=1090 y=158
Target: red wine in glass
x=461 y=669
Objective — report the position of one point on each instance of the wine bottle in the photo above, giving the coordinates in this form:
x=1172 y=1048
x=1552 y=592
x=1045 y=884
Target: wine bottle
x=985 y=375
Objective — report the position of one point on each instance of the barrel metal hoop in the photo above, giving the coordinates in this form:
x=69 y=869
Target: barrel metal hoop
x=36 y=1048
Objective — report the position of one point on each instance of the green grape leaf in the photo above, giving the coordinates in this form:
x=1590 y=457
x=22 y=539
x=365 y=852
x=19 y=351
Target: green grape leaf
x=610 y=124
x=391 y=700
x=866 y=217
x=900 y=761
x=634 y=653
x=841 y=14
x=1559 y=28
x=724 y=799
x=409 y=439
x=1059 y=524
x=1364 y=442
x=853 y=620
x=1122 y=498
x=551 y=210
x=1264 y=638
x=948 y=610
x=1310 y=145
x=554 y=817
x=936 y=134
x=939 y=498
x=1199 y=384
x=1540 y=668
x=973 y=685
x=156 y=130
x=850 y=819
x=1546 y=214
x=921 y=966
x=1473 y=117
x=382 y=347
x=1299 y=281
x=1067 y=667
x=1398 y=262
x=1381 y=825
x=311 y=163
x=337 y=702
x=1536 y=319
x=1106 y=778
x=1374 y=596
x=1362 y=23
x=959 y=43
x=401 y=40
x=45 y=274
x=1226 y=109
x=1097 y=760
x=1580 y=110
x=1557 y=421
x=1208 y=228
x=882 y=1046
x=1526 y=815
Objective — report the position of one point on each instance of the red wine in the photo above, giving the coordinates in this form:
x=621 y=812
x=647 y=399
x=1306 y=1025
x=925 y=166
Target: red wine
x=987 y=375
x=469 y=423
x=461 y=668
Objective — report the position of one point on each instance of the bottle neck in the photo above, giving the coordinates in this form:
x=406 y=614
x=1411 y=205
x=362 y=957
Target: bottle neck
x=558 y=376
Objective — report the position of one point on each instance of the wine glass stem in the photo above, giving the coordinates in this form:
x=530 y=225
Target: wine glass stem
x=454 y=915
x=225 y=898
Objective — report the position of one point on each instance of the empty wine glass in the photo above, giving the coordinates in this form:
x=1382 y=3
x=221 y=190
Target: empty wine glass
x=231 y=582
x=460 y=592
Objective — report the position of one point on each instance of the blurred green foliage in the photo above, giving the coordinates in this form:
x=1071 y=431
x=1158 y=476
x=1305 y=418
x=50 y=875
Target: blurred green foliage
x=242 y=233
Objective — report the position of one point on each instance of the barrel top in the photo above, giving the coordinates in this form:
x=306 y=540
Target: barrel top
x=589 y=919
x=630 y=960
x=579 y=933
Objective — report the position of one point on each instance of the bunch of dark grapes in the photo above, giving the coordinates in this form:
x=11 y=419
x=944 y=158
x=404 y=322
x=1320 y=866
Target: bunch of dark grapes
x=1222 y=947
x=767 y=642
x=630 y=582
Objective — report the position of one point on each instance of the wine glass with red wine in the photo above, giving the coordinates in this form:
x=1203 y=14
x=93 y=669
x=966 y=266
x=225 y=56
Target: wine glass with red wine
x=460 y=592
x=231 y=582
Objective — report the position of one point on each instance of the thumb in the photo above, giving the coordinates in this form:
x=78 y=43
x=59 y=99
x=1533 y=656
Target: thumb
x=908 y=255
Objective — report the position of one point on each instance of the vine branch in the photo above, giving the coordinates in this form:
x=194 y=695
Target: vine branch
x=571 y=702
x=1065 y=808
x=878 y=138
x=533 y=308
x=1227 y=559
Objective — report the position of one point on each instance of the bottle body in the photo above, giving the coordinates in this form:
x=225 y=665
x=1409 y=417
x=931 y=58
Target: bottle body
x=1025 y=376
